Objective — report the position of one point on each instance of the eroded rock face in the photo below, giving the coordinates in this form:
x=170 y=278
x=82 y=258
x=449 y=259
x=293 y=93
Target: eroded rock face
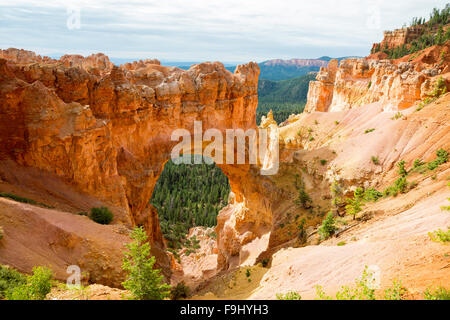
x=355 y=82
x=399 y=37
x=107 y=129
x=320 y=92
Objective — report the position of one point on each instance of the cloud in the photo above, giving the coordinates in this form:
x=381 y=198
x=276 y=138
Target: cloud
x=197 y=30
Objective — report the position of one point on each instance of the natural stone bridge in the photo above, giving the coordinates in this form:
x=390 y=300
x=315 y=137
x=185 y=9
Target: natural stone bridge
x=107 y=130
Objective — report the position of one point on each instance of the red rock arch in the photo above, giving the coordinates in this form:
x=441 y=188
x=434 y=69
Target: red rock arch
x=106 y=129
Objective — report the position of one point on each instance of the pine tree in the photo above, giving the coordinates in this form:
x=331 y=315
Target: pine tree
x=144 y=282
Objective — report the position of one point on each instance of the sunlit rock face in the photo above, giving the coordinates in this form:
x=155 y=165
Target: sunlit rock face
x=107 y=129
x=320 y=92
x=397 y=84
x=399 y=37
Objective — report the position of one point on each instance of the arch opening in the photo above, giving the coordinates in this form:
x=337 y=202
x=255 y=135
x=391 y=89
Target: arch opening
x=188 y=196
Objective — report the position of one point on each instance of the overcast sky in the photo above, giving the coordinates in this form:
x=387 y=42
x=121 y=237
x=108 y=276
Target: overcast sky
x=204 y=30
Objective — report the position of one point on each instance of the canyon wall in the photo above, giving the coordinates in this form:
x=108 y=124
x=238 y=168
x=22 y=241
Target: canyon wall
x=107 y=129
x=397 y=84
x=399 y=37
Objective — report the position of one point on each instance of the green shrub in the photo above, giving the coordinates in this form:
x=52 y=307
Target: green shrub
x=446 y=208
x=397 y=116
x=341 y=243
x=440 y=236
x=362 y=291
x=323 y=162
x=40 y=282
x=369 y=130
x=101 y=215
x=9 y=279
x=354 y=206
x=291 y=295
x=442 y=157
x=418 y=163
x=401 y=169
x=397 y=292
x=23 y=200
x=303 y=198
x=321 y=295
x=180 y=291
x=37 y=286
x=439 y=89
x=265 y=262
x=328 y=227
x=400 y=185
x=432 y=165
x=336 y=195
x=424 y=103
x=375 y=160
x=439 y=293
x=144 y=282
x=372 y=194
x=301 y=231
x=19 y=293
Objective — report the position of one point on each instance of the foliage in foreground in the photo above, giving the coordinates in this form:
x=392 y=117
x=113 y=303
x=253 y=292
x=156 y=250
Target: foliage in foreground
x=440 y=236
x=36 y=286
x=144 y=282
x=440 y=293
x=291 y=295
x=363 y=291
x=9 y=279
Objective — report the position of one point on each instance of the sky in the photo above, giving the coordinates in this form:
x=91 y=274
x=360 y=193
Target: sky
x=231 y=31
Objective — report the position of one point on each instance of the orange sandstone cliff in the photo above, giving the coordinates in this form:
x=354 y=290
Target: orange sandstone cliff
x=104 y=131
x=397 y=84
